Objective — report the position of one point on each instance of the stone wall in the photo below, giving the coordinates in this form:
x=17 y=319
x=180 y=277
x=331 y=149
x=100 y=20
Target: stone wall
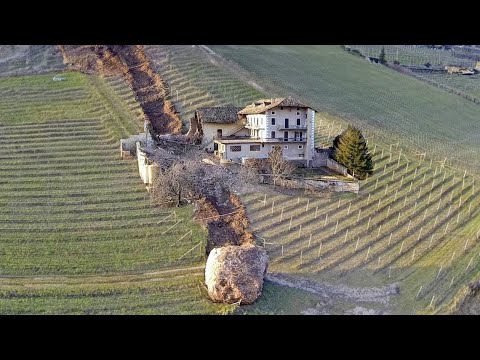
x=333 y=165
x=327 y=185
x=129 y=144
x=320 y=158
x=147 y=169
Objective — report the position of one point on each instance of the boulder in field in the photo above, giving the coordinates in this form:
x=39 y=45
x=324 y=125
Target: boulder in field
x=235 y=273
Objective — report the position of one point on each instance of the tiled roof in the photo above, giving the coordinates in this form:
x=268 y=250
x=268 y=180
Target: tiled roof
x=219 y=114
x=263 y=105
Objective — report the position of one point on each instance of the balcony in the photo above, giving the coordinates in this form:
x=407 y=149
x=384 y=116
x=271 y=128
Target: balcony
x=293 y=127
x=235 y=137
x=254 y=126
x=283 y=139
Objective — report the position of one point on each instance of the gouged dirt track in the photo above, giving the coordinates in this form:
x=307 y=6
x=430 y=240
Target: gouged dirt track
x=130 y=62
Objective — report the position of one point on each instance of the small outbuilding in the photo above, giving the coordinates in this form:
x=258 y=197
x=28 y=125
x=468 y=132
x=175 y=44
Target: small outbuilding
x=219 y=122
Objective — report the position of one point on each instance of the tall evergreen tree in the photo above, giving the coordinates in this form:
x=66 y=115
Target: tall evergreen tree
x=351 y=150
x=382 y=56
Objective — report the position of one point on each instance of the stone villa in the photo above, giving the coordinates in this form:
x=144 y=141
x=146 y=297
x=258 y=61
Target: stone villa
x=237 y=134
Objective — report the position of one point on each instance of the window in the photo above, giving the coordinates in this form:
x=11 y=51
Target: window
x=254 y=147
x=300 y=146
x=305 y=116
x=273 y=112
x=286 y=124
x=298 y=108
x=273 y=135
x=298 y=112
x=235 y=148
x=273 y=121
x=285 y=147
x=298 y=122
x=281 y=107
x=285 y=136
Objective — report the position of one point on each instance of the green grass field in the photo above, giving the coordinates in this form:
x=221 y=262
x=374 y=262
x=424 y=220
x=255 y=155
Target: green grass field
x=69 y=206
x=195 y=82
x=79 y=234
x=414 y=55
x=406 y=224
x=390 y=106
x=415 y=221
x=468 y=86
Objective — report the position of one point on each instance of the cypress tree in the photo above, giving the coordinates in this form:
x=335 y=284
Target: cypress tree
x=351 y=150
x=382 y=56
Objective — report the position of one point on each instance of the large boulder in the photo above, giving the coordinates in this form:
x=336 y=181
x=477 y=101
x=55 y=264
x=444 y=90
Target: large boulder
x=235 y=273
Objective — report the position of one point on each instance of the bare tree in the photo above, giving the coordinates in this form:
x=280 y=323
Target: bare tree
x=279 y=167
x=169 y=185
x=188 y=180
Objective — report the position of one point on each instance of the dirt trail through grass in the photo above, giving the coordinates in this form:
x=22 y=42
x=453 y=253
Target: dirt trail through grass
x=369 y=294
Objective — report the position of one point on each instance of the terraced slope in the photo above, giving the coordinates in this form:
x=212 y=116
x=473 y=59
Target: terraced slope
x=411 y=223
x=29 y=59
x=415 y=222
x=195 y=81
x=390 y=105
x=70 y=206
x=465 y=86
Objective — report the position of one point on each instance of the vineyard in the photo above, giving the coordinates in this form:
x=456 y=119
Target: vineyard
x=416 y=221
x=413 y=222
x=415 y=55
x=79 y=234
x=466 y=86
x=389 y=105
x=195 y=82
x=29 y=59
x=70 y=206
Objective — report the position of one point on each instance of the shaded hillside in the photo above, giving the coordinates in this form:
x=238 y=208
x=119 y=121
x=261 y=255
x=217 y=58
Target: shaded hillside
x=29 y=59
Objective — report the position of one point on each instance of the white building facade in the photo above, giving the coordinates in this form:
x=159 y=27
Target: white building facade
x=284 y=122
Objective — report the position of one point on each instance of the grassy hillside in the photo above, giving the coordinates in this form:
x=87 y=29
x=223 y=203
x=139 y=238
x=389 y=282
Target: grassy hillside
x=393 y=106
x=70 y=206
x=414 y=222
x=28 y=59
x=415 y=55
x=195 y=80
x=466 y=86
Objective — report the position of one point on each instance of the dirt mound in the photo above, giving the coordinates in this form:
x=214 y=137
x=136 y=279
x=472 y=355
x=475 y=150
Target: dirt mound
x=132 y=64
x=467 y=301
x=235 y=273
